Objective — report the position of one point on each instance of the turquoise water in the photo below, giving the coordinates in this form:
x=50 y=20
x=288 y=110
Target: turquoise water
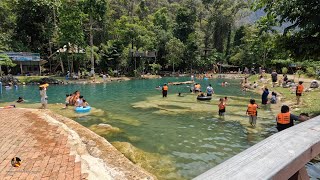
x=192 y=139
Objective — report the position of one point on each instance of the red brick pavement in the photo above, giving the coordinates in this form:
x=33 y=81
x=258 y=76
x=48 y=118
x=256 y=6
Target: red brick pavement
x=42 y=148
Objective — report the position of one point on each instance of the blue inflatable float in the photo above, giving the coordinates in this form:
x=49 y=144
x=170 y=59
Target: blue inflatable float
x=83 y=109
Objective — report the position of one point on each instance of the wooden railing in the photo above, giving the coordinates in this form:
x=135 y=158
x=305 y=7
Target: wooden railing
x=281 y=156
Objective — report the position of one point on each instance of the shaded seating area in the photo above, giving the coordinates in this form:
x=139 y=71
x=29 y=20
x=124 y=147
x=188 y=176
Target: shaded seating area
x=27 y=63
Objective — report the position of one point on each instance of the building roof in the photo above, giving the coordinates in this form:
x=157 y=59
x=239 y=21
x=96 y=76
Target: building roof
x=23 y=56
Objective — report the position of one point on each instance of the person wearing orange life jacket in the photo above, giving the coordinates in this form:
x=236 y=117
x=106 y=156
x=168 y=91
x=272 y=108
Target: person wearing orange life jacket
x=222 y=107
x=252 y=112
x=299 y=91
x=164 y=90
x=285 y=118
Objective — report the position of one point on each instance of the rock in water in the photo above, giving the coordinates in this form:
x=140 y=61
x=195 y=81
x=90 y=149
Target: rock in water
x=108 y=126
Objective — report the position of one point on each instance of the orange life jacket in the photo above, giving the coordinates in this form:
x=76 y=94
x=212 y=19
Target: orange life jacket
x=299 y=88
x=221 y=106
x=283 y=118
x=252 y=109
x=165 y=88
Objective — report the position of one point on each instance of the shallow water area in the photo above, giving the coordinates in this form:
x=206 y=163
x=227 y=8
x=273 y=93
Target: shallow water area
x=174 y=137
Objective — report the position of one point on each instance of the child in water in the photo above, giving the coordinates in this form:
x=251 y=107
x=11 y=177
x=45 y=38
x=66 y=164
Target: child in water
x=222 y=106
x=20 y=100
x=273 y=99
x=85 y=103
x=67 y=101
x=252 y=112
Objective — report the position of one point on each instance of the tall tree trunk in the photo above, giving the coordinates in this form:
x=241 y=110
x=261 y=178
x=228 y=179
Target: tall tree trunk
x=173 y=67
x=72 y=69
x=62 y=67
x=228 y=43
x=91 y=45
x=0 y=71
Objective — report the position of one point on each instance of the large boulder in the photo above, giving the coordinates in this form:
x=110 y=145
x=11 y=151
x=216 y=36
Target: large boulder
x=8 y=80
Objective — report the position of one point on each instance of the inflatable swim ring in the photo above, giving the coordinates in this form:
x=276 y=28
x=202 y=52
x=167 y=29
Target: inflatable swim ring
x=204 y=98
x=82 y=109
x=205 y=78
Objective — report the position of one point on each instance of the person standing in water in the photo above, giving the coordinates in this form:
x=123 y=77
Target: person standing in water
x=264 y=96
x=164 y=90
x=252 y=112
x=299 y=91
x=285 y=118
x=222 y=106
x=209 y=90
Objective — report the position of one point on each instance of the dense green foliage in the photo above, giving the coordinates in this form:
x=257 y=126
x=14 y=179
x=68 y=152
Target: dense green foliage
x=185 y=34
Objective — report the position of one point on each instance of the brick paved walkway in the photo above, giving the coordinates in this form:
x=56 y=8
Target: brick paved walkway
x=42 y=148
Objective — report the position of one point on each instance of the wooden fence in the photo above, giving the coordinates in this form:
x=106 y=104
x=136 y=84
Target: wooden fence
x=281 y=156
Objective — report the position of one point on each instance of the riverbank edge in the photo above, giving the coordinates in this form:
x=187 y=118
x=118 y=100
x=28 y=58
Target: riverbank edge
x=98 y=80
x=98 y=157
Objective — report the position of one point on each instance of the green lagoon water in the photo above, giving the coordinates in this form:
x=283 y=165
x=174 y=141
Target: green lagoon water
x=185 y=137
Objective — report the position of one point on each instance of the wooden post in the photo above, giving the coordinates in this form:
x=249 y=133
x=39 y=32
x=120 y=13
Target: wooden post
x=302 y=174
x=39 y=69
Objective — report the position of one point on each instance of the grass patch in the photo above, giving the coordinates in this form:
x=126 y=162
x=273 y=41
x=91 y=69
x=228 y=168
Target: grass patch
x=28 y=79
x=310 y=104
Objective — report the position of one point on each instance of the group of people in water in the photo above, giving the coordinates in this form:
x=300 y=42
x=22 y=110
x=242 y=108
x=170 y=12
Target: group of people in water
x=75 y=99
x=284 y=119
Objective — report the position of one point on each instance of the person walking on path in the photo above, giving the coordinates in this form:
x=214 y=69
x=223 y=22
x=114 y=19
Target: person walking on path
x=252 y=112
x=164 y=90
x=299 y=91
x=285 y=118
x=274 y=77
x=264 y=96
x=209 y=90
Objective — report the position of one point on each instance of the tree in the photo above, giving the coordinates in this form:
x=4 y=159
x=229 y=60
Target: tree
x=96 y=11
x=302 y=35
x=185 y=20
x=175 y=49
x=161 y=19
x=70 y=24
x=5 y=61
x=34 y=25
x=155 y=68
x=7 y=24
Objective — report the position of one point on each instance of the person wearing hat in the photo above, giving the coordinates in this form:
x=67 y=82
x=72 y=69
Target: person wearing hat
x=43 y=95
x=164 y=90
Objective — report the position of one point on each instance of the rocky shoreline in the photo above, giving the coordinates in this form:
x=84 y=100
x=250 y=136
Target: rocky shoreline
x=99 y=158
